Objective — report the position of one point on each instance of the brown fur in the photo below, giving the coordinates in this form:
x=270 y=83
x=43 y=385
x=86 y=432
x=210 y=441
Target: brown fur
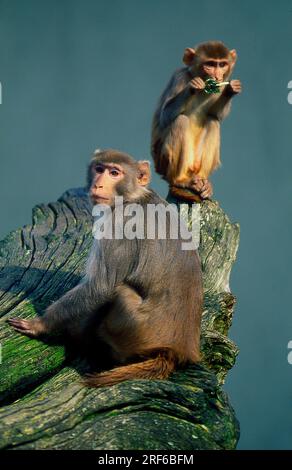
x=186 y=127
x=141 y=299
x=185 y=194
x=159 y=367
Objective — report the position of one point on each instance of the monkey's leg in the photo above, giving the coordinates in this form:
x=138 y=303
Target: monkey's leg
x=121 y=325
x=129 y=327
x=183 y=150
x=127 y=330
x=178 y=151
x=210 y=158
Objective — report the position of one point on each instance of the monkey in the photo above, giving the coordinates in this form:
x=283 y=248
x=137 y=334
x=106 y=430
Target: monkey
x=141 y=298
x=185 y=139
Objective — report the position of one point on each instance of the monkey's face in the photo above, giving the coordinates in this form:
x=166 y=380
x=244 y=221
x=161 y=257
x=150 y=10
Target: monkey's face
x=105 y=177
x=218 y=69
x=112 y=173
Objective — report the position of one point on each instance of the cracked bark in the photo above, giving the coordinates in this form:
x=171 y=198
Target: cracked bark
x=44 y=405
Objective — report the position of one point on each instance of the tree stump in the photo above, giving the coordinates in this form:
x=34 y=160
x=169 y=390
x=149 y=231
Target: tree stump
x=43 y=403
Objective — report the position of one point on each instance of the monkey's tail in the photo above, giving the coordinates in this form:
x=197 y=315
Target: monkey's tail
x=158 y=367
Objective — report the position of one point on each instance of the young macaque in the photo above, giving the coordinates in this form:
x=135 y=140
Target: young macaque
x=186 y=125
x=142 y=298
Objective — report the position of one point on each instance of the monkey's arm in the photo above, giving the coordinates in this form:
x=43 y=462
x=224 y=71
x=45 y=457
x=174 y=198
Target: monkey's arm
x=173 y=107
x=175 y=98
x=221 y=108
x=72 y=309
x=75 y=306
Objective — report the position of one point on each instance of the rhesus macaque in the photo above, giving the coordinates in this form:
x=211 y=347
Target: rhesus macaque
x=186 y=125
x=142 y=298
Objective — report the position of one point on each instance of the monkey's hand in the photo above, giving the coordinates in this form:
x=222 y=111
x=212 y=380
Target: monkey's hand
x=196 y=84
x=203 y=187
x=32 y=328
x=235 y=87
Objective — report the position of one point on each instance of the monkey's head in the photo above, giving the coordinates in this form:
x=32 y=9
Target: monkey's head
x=210 y=59
x=112 y=173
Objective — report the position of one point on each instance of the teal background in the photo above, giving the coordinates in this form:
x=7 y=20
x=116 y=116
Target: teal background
x=77 y=75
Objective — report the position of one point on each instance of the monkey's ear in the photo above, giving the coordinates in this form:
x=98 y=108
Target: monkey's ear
x=189 y=55
x=144 y=173
x=233 y=55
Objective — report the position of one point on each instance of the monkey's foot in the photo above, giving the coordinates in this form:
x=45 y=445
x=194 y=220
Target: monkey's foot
x=185 y=194
x=31 y=328
x=203 y=187
x=198 y=190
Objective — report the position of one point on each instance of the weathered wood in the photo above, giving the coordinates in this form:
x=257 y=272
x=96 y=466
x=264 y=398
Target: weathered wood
x=188 y=412
x=43 y=402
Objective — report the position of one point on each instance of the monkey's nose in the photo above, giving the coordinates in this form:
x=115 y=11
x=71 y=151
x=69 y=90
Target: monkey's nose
x=95 y=190
x=218 y=77
x=98 y=186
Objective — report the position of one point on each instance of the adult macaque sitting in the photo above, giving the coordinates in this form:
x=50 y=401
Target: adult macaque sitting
x=142 y=298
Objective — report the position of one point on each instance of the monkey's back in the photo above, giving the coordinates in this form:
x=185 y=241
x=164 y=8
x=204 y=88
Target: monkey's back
x=169 y=281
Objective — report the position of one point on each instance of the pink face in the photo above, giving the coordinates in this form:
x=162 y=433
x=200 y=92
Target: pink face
x=105 y=178
x=216 y=69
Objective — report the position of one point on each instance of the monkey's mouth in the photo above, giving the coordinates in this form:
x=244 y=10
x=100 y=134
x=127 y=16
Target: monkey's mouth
x=216 y=79
x=96 y=199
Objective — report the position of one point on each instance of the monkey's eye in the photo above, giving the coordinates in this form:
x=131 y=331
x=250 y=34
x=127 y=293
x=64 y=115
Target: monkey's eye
x=115 y=173
x=210 y=63
x=222 y=64
x=99 y=169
